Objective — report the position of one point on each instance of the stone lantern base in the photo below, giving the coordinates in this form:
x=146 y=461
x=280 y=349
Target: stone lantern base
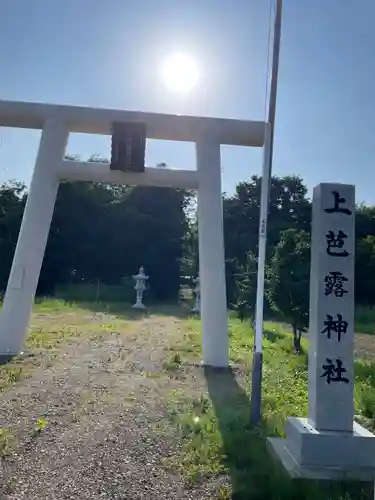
x=139 y=305
x=197 y=306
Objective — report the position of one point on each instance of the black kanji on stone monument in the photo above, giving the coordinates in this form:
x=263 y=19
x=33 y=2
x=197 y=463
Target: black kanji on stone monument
x=338 y=326
x=338 y=200
x=334 y=284
x=336 y=241
x=333 y=372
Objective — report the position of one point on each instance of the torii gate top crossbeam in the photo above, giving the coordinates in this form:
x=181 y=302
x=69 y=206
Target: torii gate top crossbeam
x=159 y=126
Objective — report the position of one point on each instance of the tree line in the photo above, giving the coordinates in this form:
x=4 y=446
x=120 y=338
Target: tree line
x=102 y=232
x=288 y=262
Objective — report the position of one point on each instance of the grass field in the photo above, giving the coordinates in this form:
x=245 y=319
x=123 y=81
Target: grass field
x=216 y=429
x=207 y=411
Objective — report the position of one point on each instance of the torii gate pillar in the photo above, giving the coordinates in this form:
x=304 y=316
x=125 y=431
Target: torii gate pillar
x=32 y=239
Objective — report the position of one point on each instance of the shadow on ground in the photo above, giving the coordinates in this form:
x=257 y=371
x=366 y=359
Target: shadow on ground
x=245 y=454
x=273 y=336
x=254 y=474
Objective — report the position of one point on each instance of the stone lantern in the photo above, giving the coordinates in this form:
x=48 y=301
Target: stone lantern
x=140 y=286
x=197 y=291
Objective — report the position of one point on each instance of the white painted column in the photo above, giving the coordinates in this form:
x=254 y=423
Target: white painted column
x=211 y=255
x=28 y=257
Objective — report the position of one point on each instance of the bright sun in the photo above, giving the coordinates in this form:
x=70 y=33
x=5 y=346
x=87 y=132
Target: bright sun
x=180 y=72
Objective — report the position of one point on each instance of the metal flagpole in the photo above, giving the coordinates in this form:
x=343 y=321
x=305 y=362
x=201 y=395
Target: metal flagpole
x=256 y=387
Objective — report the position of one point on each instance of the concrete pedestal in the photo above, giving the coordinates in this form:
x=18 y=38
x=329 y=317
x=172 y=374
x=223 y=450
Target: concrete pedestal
x=307 y=452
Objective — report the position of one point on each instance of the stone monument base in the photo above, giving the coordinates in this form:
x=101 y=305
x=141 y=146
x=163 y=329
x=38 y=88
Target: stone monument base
x=309 y=453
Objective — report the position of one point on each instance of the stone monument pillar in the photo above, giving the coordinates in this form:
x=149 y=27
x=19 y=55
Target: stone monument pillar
x=329 y=444
x=197 y=291
x=140 y=287
x=331 y=328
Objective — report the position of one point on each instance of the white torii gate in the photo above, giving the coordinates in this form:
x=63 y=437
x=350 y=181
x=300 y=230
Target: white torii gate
x=56 y=122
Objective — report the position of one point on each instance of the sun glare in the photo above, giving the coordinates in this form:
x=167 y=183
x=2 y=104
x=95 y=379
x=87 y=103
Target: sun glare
x=180 y=72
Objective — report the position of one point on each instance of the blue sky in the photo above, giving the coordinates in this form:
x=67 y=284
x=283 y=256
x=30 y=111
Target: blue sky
x=108 y=53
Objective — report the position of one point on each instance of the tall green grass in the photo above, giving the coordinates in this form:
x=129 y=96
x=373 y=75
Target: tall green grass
x=216 y=430
x=365 y=320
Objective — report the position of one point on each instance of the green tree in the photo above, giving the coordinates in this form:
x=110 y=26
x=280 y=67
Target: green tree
x=246 y=286
x=151 y=225
x=12 y=203
x=288 y=208
x=106 y=232
x=288 y=280
x=78 y=243
x=190 y=258
x=365 y=271
x=364 y=221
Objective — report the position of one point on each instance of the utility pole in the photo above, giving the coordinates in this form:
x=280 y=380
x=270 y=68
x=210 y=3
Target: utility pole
x=256 y=387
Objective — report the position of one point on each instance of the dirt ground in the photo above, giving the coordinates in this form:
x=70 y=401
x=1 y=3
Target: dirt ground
x=102 y=397
x=365 y=346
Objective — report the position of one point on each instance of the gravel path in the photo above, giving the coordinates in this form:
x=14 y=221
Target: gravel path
x=102 y=399
x=104 y=396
